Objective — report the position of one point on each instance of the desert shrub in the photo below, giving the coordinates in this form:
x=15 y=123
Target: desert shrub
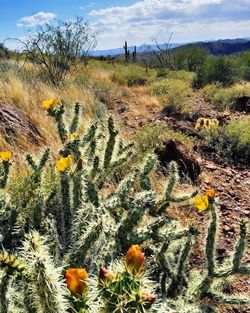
x=152 y=136
x=217 y=70
x=131 y=75
x=104 y=91
x=224 y=98
x=174 y=95
x=234 y=142
x=59 y=48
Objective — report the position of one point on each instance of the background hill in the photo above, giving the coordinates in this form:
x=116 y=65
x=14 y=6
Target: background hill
x=218 y=47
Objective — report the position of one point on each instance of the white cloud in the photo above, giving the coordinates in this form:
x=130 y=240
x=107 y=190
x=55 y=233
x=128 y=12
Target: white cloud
x=36 y=19
x=189 y=20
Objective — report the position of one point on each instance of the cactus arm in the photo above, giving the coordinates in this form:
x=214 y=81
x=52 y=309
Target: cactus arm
x=240 y=247
x=4 y=179
x=110 y=144
x=65 y=203
x=78 y=252
x=75 y=121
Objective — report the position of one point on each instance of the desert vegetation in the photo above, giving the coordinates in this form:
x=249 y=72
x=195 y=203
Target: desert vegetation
x=100 y=210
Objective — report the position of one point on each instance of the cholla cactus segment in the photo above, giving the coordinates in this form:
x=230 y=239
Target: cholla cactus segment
x=4 y=167
x=240 y=247
x=45 y=280
x=111 y=143
x=75 y=121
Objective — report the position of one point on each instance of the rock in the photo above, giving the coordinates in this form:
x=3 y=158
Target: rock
x=14 y=123
x=176 y=151
x=242 y=104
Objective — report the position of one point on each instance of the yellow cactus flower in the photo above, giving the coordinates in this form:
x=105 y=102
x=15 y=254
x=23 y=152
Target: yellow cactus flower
x=5 y=156
x=210 y=193
x=49 y=104
x=64 y=163
x=201 y=202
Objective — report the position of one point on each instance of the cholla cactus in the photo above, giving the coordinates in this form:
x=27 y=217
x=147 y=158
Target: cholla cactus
x=205 y=288
x=95 y=214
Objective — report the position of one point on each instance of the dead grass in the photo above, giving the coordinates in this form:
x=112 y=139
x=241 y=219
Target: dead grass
x=28 y=96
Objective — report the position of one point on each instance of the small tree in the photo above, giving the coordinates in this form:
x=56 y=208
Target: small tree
x=163 y=55
x=60 y=47
x=3 y=51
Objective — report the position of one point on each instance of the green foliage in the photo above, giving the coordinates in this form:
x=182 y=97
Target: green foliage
x=152 y=136
x=174 y=95
x=233 y=140
x=131 y=75
x=59 y=47
x=217 y=70
x=225 y=98
x=190 y=58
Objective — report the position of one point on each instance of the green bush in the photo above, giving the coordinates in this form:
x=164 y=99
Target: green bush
x=236 y=140
x=131 y=75
x=224 y=98
x=232 y=141
x=217 y=70
x=174 y=95
x=152 y=136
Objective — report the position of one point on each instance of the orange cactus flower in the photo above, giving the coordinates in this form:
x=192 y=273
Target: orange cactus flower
x=50 y=103
x=77 y=279
x=5 y=156
x=210 y=193
x=149 y=300
x=64 y=163
x=105 y=275
x=201 y=202
x=135 y=258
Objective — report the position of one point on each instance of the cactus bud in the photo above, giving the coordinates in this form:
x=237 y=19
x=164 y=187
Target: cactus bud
x=76 y=279
x=210 y=193
x=149 y=300
x=80 y=163
x=135 y=258
x=105 y=275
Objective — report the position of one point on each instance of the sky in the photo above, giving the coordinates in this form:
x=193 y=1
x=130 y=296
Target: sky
x=138 y=22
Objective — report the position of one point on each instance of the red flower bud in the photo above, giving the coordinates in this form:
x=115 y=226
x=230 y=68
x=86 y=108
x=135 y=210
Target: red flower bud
x=105 y=275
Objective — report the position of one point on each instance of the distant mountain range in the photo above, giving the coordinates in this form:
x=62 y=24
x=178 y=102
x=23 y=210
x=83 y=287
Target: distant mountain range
x=214 y=47
x=139 y=49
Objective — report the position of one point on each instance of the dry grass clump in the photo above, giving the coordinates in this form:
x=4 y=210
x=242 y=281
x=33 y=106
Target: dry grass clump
x=28 y=94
